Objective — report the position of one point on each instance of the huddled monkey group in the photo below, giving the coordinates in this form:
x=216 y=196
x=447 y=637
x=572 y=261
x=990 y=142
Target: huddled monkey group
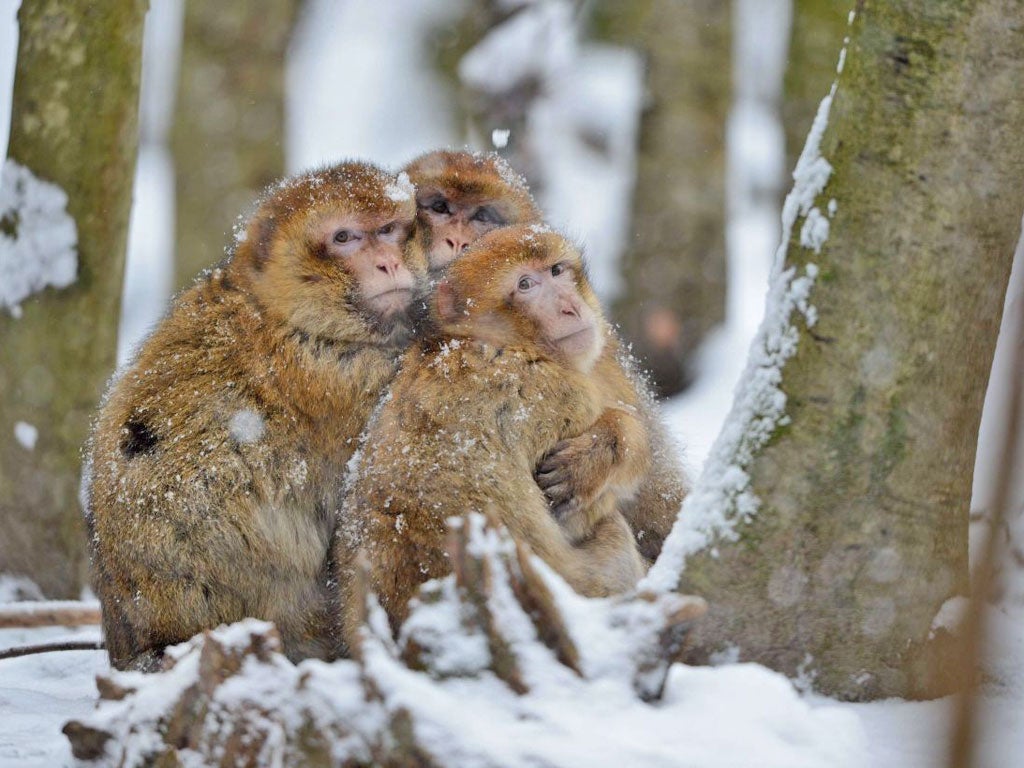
x=379 y=352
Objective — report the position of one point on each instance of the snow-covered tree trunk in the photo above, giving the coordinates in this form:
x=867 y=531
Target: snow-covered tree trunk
x=674 y=265
x=74 y=125
x=228 y=137
x=830 y=525
x=819 y=27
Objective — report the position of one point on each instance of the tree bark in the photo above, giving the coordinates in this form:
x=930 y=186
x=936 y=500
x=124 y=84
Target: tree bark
x=227 y=138
x=819 y=27
x=674 y=266
x=75 y=119
x=864 y=487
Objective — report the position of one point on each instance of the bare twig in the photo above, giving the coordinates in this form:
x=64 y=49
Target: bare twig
x=71 y=645
x=64 y=613
x=961 y=753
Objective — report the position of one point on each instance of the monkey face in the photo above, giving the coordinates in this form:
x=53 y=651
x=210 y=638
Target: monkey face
x=355 y=271
x=332 y=254
x=371 y=250
x=451 y=222
x=547 y=294
x=524 y=286
x=462 y=196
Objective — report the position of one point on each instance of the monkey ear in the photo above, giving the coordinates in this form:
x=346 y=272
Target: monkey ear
x=262 y=236
x=447 y=301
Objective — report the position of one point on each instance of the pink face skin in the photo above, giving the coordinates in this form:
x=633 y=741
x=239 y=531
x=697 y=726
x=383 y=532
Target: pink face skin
x=371 y=252
x=454 y=226
x=548 y=295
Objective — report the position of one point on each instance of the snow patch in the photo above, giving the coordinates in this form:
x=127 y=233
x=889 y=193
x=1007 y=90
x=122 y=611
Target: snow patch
x=534 y=44
x=401 y=189
x=26 y=435
x=499 y=137
x=38 y=238
x=18 y=588
x=815 y=230
x=951 y=615
x=246 y=426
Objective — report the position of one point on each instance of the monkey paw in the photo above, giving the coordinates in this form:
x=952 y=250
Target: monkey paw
x=572 y=476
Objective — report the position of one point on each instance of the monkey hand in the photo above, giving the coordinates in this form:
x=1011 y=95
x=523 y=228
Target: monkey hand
x=572 y=476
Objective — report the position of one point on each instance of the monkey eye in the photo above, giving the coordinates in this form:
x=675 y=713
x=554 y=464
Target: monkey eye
x=439 y=206
x=557 y=269
x=342 y=236
x=387 y=229
x=483 y=215
x=525 y=284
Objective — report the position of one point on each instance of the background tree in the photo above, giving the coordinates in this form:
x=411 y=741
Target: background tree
x=862 y=490
x=74 y=123
x=674 y=266
x=227 y=137
x=818 y=30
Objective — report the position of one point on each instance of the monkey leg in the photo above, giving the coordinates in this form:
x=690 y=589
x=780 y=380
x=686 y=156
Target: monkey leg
x=189 y=571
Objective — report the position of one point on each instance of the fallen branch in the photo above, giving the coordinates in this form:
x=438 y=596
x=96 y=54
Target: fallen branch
x=46 y=613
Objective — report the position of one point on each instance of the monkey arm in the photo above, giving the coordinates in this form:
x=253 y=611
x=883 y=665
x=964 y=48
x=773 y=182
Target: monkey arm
x=612 y=456
x=653 y=510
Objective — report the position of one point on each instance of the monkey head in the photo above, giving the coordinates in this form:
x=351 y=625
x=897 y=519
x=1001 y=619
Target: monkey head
x=331 y=253
x=526 y=287
x=461 y=196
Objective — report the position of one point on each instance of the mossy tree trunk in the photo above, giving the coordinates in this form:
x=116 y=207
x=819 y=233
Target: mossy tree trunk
x=228 y=134
x=819 y=27
x=674 y=266
x=74 y=123
x=861 y=531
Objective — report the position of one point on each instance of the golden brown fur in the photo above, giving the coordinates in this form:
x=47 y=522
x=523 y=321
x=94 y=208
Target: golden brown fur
x=610 y=451
x=217 y=456
x=476 y=405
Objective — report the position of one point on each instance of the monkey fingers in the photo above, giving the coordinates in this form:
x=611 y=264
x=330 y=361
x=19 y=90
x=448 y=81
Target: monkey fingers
x=572 y=476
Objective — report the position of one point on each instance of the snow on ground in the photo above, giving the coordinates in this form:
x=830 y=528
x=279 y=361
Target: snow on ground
x=723 y=706
x=38 y=694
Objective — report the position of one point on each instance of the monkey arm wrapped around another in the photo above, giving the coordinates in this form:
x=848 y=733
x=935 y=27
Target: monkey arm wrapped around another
x=610 y=456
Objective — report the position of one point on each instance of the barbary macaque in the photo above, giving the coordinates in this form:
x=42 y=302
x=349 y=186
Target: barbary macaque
x=218 y=455
x=501 y=375
x=462 y=195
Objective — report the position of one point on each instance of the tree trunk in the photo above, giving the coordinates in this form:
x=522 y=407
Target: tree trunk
x=228 y=136
x=846 y=519
x=819 y=27
x=674 y=267
x=75 y=117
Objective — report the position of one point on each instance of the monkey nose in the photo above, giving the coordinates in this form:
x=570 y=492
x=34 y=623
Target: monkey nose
x=457 y=244
x=389 y=266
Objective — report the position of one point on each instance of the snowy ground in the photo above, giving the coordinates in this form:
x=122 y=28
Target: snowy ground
x=725 y=712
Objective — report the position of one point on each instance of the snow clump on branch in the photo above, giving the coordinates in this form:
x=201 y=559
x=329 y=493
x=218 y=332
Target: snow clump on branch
x=38 y=238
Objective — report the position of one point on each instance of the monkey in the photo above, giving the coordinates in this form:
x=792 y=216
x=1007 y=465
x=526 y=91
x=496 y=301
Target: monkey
x=503 y=373
x=216 y=460
x=461 y=195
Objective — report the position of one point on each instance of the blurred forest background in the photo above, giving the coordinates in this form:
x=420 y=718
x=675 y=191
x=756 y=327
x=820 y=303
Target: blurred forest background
x=660 y=134
x=663 y=136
